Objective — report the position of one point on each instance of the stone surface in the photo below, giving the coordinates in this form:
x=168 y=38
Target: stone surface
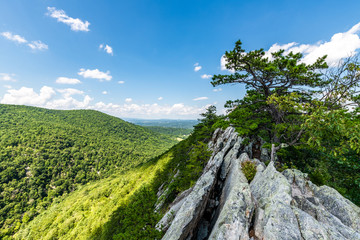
x=223 y=205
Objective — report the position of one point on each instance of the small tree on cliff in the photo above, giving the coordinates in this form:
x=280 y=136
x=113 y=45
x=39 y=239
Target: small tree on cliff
x=284 y=94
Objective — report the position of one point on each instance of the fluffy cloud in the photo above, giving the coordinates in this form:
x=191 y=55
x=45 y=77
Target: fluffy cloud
x=341 y=45
x=47 y=97
x=67 y=92
x=101 y=76
x=197 y=67
x=206 y=76
x=200 y=98
x=121 y=82
x=104 y=92
x=38 y=45
x=107 y=49
x=65 y=80
x=128 y=100
x=7 y=77
x=217 y=90
x=28 y=96
x=35 y=45
x=71 y=98
x=160 y=98
x=14 y=37
x=178 y=110
x=75 y=23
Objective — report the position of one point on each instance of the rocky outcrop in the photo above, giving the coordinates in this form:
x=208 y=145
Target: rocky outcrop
x=223 y=205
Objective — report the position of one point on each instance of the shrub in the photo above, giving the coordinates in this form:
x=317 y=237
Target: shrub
x=249 y=169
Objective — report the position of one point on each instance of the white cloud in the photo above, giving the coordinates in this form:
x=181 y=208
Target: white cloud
x=200 y=98
x=67 y=92
x=107 y=49
x=96 y=74
x=341 y=45
x=28 y=96
x=121 y=82
x=75 y=23
x=35 y=45
x=178 y=110
x=7 y=77
x=38 y=45
x=104 y=92
x=14 y=37
x=197 y=68
x=223 y=63
x=206 y=76
x=8 y=86
x=217 y=90
x=160 y=98
x=65 y=80
x=71 y=98
x=47 y=97
x=128 y=100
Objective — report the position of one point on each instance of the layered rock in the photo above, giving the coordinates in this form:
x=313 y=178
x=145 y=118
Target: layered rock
x=223 y=205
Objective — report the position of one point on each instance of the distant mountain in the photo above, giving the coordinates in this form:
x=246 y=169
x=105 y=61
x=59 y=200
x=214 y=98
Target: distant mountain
x=45 y=154
x=188 y=124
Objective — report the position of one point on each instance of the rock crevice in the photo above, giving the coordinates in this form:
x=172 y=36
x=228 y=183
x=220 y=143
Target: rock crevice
x=223 y=205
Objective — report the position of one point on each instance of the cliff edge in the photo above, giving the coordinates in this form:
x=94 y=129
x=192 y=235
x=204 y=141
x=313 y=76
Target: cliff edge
x=224 y=205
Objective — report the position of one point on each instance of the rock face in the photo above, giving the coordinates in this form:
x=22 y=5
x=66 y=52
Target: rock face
x=287 y=205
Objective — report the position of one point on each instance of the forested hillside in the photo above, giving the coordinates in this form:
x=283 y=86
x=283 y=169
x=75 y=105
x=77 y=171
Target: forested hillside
x=47 y=153
x=122 y=206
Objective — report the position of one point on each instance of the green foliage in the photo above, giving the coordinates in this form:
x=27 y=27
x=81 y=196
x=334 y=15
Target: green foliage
x=122 y=205
x=47 y=153
x=249 y=170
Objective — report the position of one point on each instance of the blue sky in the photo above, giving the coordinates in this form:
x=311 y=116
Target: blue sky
x=153 y=59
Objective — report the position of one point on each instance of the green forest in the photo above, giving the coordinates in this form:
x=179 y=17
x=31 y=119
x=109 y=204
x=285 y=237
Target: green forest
x=45 y=154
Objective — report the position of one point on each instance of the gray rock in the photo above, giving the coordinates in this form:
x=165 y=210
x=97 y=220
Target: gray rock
x=236 y=208
x=166 y=220
x=273 y=206
x=191 y=211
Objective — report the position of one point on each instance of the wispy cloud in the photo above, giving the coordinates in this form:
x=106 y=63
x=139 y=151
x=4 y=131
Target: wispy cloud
x=104 y=92
x=217 y=90
x=341 y=45
x=107 y=49
x=65 y=80
x=35 y=45
x=96 y=74
x=128 y=100
x=197 y=67
x=206 y=76
x=200 y=98
x=7 y=77
x=121 y=82
x=160 y=98
x=14 y=37
x=38 y=45
x=75 y=24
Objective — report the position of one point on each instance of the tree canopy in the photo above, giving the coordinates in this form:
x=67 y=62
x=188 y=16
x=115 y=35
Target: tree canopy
x=285 y=96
